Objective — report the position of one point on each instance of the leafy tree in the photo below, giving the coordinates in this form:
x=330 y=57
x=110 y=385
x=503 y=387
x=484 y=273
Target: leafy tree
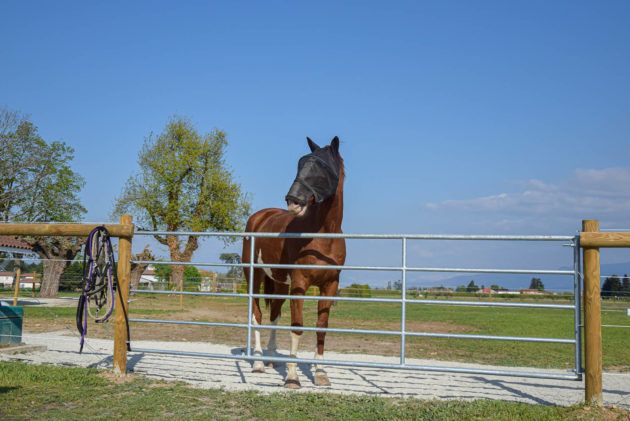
x=38 y=185
x=184 y=184
x=35 y=267
x=461 y=288
x=472 y=287
x=164 y=273
x=536 y=283
x=397 y=285
x=626 y=283
x=612 y=286
x=234 y=272
x=496 y=287
x=72 y=277
x=192 y=275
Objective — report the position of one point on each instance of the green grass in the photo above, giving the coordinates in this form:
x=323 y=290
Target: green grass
x=33 y=312
x=46 y=392
x=525 y=322
x=495 y=321
x=436 y=318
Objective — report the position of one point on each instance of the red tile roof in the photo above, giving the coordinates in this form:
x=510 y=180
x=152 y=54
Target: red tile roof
x=8 y=241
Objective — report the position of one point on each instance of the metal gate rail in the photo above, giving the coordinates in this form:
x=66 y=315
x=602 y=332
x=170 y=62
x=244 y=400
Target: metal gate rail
x=576 y=374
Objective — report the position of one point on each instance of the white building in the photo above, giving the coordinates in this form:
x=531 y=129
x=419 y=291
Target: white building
x=148 y=279
x=27 y=280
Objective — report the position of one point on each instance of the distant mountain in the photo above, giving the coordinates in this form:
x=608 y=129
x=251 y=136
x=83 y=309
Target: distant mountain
x=551 y=282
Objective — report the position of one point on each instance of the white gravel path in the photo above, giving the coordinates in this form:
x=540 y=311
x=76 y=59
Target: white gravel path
x=237 y=375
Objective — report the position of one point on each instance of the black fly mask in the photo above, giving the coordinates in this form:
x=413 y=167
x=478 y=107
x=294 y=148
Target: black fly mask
x=318 y=176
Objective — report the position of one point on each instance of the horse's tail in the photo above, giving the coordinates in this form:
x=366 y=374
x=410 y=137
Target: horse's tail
x=268 y=289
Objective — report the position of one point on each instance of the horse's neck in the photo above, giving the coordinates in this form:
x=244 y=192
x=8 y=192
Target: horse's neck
x=330 y=214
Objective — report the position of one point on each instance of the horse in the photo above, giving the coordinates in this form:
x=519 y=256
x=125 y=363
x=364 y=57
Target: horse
x=314 y=205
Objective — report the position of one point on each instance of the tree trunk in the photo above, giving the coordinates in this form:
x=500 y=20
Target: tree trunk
x=177 y=277
x=137 y=269
x=136 y=273
x=50 y=280
x=57 y=253
x=177 y=271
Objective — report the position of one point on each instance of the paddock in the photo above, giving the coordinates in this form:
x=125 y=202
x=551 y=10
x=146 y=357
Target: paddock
x=236 y=375
x=589 y=242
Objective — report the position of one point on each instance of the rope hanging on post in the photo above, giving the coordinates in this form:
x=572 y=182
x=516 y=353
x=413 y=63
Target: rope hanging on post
x=99 y=281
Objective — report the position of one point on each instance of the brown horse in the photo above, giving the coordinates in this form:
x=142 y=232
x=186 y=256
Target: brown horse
x=315 y=205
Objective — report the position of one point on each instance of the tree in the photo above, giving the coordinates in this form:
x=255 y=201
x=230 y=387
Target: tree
x=71 y=278
x=163 y=272
x=626 y=283
x=192 y=275
x=137 y=269
x=612 y=286
x=234 y=272
x=536 y=283
x=184 y=184
x=37 y=184
x=472 y=287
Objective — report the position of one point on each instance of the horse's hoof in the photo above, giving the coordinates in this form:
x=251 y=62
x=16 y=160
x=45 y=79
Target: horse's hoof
x=271 y=364
x=292 y=384
x=321 y=378
x=258 y=367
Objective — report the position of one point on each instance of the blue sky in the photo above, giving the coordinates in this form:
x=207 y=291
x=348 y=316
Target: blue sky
x=455 y=117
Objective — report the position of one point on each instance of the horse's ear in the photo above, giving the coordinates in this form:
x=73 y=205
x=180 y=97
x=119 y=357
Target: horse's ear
x=314 y=146
x=334 y=144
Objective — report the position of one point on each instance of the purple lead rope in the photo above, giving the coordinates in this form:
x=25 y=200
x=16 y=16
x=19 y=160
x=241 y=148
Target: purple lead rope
x=95 y=287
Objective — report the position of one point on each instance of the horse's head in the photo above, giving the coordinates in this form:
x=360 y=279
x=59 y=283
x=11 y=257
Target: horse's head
x=317 y=177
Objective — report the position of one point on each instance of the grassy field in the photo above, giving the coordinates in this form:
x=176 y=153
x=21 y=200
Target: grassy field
x=421 y=318
x=44 y=392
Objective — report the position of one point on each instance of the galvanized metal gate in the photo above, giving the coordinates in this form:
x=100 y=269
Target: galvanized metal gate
x=403 y=333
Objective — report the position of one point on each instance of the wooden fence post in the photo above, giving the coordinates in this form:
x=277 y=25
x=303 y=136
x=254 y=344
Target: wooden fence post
x=122 y=298
x=16 y=287
x=592 y=320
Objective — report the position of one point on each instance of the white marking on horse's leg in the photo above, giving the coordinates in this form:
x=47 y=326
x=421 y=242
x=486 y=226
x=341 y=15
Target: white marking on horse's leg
x=292 y=367
x=319 y=357
x=288 y=280
x=266 y=270
x=259 y=366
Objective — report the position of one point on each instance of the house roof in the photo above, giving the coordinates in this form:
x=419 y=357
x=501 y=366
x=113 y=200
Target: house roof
x=13 y=242
x=22 y=275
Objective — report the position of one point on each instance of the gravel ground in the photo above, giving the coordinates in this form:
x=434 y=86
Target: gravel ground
x=237 y=375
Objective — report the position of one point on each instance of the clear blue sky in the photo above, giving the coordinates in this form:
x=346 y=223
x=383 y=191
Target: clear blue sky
x=467 y=117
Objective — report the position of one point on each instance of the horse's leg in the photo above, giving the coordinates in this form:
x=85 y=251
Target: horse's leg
x=323 y=311
x=274 y=317
x=298 y=287
x=258 y=366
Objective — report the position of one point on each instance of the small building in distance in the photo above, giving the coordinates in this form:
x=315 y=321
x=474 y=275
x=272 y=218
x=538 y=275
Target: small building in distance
x=149 y=279
x=531 y=292
x=27 y=280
